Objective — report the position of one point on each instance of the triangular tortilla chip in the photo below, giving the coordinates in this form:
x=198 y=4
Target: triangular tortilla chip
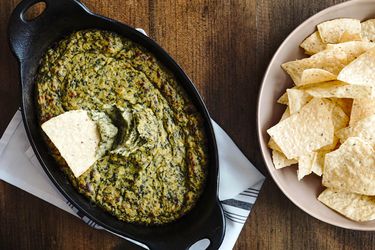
x=339 y=89
x=313 y=44
x=310 y=76
x=306 y=131
x=340 y=30
x=354 y=206
x=76 y=137
x=360 y=71
x=351 y=167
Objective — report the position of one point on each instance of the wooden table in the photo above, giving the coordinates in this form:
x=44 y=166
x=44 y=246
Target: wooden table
x=224 y=46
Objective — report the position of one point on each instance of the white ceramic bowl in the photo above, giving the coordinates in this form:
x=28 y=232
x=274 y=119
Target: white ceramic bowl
x=303 y=194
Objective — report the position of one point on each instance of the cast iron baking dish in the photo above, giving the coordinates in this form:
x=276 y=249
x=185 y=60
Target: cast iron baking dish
x=28 y=41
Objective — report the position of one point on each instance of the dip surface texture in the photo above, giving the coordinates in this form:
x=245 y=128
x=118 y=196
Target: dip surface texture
x=153 y=170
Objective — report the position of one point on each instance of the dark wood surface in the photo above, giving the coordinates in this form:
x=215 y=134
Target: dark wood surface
x=224 y=46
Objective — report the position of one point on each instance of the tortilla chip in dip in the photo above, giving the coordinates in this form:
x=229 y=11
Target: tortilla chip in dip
x=76 y=137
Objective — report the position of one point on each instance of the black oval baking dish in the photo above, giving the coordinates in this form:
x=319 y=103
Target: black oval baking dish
x=28 y=41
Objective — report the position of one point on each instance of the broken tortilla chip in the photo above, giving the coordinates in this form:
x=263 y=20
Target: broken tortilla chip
x=353 y=206
x=280 y=161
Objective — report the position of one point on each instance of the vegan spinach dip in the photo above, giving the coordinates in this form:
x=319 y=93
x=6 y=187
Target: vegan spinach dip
x=153 y=157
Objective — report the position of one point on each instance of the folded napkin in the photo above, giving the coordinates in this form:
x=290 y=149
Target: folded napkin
x=239 y=186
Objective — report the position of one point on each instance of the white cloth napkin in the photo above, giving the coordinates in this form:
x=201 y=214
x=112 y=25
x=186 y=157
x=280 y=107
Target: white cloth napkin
x=240 y=181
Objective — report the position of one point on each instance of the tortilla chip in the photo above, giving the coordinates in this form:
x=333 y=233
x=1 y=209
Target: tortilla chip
x=333 y=59
x=283 y=99
x=340 y=90
x=318 y=163
x=329 y=60
x=305 y=165
x=310 y=76
x=280 y=161
x=360 y=71
x=313 y=44
x=297 y=99
x=344 y=103
x=353 y=206
x=368 y=30
x=340 y=30
x=285 y=115
x=364 y=129
x=339 y=117
x=305 y=131
x=362 y=108
x=271 y=143
x=76 y=137
x=340 y=120
x=352 y=49
x=351 y=167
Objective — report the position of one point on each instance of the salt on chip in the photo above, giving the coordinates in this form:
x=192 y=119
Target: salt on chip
x=340 y=89
x=368 y=30
x=310 y=76
x=364 y=129
x=280 y=161
x=362 y=108
x=297 y=99
x=340 y=30
x=353 y=206
x=305 y=163
x=306 y=131
x=313 y=44
x=76 y=137
x=351 y=168
x=360 y=71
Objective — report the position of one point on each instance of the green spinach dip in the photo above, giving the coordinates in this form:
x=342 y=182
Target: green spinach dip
x=153 y=158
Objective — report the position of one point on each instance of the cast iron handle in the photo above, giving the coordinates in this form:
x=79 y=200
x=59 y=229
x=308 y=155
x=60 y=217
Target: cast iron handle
x=23 y=33
x=212 y=228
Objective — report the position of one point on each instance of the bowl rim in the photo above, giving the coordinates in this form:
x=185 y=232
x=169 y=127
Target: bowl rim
x=260 y=94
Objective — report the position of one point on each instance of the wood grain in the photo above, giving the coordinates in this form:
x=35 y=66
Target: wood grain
x=224 y=46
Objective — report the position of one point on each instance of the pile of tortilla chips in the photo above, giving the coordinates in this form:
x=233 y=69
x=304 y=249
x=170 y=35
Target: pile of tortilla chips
x=328 y=127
